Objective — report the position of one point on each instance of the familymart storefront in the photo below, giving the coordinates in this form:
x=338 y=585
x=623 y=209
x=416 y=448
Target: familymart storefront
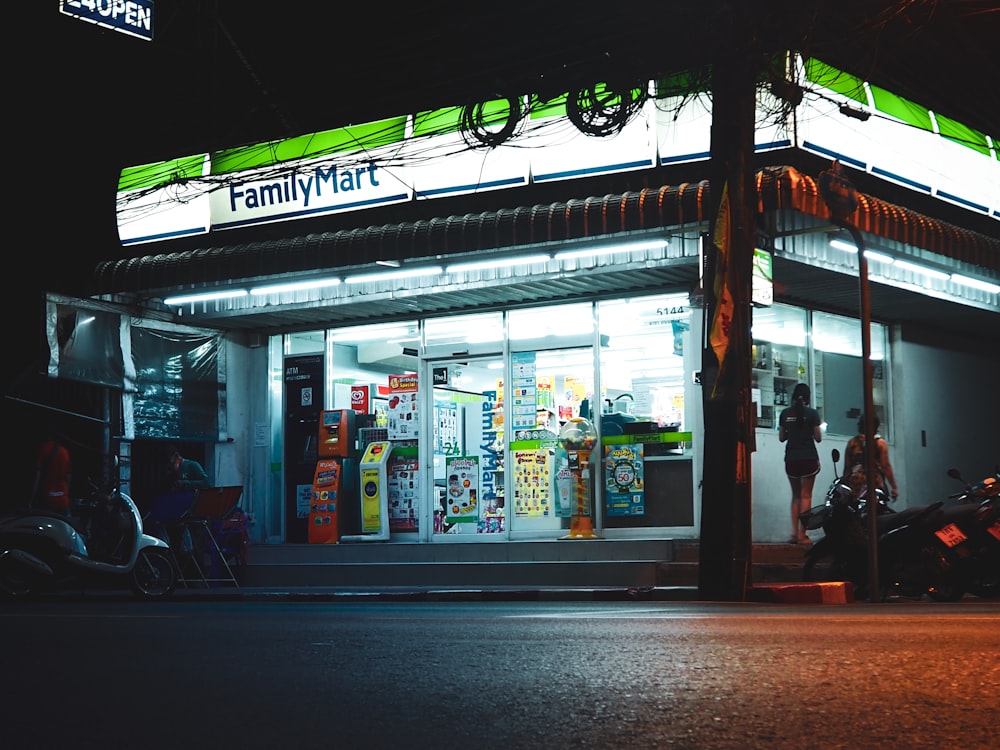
x=466 y=374
x=463 y=344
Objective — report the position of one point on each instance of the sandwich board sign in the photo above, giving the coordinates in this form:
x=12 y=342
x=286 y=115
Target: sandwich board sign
x=132 y=17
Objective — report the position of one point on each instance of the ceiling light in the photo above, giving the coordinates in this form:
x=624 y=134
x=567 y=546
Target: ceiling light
x=294 y=286
x=847 y=247
x=589 y=252
x=850 y=247
x=880 y=257
x=932 y=272
x=986 y=286
x=479 y=265
x=404 y=273
x=183 y=299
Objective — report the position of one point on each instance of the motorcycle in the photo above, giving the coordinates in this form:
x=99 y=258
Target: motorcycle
x=906 y=566
x=103 y=544
x=970 y=534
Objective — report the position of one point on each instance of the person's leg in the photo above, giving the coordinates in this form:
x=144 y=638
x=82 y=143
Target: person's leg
x=796 y=485
x=805 y=503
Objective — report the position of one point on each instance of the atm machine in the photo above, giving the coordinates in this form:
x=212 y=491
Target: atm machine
x=334 y=506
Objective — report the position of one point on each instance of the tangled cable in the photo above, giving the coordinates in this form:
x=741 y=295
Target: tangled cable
x=479 y=122
x=602 y=109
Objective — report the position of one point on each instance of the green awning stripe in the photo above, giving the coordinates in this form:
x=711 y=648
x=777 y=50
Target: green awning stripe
x=148 y=176
x=437 y=122
x=966 y=136
x=902 y=109
x=312 y=145
x=836 y=80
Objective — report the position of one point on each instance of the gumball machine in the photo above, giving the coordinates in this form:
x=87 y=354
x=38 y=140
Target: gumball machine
x=578 y=438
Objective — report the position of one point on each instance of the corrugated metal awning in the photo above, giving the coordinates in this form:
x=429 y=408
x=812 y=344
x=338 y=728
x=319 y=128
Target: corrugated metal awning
x=667 y=206
x=681 y=209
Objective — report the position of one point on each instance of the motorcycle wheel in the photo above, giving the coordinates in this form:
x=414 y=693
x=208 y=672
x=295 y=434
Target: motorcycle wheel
x=985 y=581
x=154 y=575
x=15 y=581
x=928 y=574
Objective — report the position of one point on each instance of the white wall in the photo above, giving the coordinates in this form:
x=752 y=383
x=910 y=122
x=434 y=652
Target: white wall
x=947 y=414
x=772 y=495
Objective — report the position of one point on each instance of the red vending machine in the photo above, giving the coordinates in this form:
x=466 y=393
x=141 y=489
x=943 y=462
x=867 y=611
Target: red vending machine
x=334 y=493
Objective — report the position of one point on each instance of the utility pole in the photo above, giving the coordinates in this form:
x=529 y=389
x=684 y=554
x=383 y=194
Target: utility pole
x=841 y=198
x=725 y=547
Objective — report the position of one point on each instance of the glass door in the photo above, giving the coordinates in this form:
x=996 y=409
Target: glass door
x=467 y=496
x=549 y=387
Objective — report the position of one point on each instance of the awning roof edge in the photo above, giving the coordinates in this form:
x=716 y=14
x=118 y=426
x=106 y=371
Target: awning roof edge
x=651 y=208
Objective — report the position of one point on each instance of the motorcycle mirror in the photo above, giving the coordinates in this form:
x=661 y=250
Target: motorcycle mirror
x=953 y=473
x=835 y=454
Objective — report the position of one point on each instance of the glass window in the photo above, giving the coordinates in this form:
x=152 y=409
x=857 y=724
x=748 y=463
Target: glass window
x=642 y=358
x=780 y=360
x=838 y=371
x=460 y=332
x=645 y=480
x=304 y=342
x=831 y=366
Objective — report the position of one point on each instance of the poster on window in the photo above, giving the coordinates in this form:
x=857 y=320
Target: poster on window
x=462 y=489
x=402 y=490
x=524 y=402
x=404 y=422
x=624 y=481
x=532 y=483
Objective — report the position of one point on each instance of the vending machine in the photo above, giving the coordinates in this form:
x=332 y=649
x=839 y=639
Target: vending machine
x=333 y=509
x=374 y=494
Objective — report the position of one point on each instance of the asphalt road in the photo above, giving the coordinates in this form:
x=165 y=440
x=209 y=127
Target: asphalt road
x=235 y=675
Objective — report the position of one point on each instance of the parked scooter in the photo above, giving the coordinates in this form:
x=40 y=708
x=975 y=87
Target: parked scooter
x=970 y=534
x=103 y=545
x=905 y=566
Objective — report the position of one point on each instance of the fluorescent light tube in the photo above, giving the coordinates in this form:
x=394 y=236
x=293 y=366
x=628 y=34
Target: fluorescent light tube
x=183 y=299
x=880 y=257
x=294 y=286
x=404 y=273
x=497 y=263
x=625 y=247
x=847 y=247
x=986 y=286
x=932 y=272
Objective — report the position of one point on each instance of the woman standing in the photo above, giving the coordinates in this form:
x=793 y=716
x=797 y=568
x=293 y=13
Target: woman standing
x=799 y=429
x=855 y=461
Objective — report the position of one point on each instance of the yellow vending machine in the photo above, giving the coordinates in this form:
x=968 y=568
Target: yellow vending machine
x=334 y=492
x=374 y=492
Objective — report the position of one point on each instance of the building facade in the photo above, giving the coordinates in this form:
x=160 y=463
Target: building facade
x=466 y=341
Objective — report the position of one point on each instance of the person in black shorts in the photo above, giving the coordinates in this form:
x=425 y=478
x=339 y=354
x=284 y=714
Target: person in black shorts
x=799 y=429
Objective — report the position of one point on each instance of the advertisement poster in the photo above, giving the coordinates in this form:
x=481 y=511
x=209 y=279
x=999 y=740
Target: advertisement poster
x=371 y=501
x=532 y=483
x=623 y=480
x=402 y=490
x=524 y=402
x=564 y=484
x=323 y=511
x=462 y=489
x=404 y=422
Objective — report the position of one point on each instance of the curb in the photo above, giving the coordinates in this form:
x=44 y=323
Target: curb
x=787 y=593
x=832 y=592
x=791 y=593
